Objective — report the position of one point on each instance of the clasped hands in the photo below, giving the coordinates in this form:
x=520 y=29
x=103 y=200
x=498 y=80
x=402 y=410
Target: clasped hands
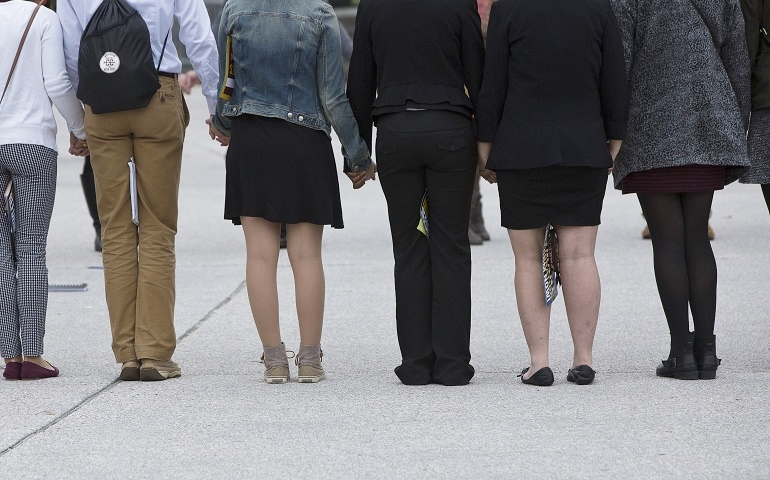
x=359 y=178
x=483 y=154
x=78 y=147
x=215 y=134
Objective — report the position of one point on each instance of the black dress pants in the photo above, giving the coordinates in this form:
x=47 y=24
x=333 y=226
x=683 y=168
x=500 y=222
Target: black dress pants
x=431 y=152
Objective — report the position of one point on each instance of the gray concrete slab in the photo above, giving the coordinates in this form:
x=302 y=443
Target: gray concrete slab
x=219 y=420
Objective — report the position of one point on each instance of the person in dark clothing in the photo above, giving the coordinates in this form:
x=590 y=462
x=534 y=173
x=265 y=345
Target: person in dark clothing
x=551 y=117
x=89 y=191
x=411 y=65
x=757 y=16
x=684 y=142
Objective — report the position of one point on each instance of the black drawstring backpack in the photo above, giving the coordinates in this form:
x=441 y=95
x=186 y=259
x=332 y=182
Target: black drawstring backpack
x=115 y=64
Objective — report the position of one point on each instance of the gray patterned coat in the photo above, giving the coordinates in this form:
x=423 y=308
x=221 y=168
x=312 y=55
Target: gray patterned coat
x=689 y=78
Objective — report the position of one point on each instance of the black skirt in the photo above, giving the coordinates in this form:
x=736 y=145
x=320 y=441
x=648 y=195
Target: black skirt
x=567 y=196
x=282 y=172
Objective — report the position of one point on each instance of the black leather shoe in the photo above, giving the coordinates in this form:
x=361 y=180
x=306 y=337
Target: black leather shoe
x=582 y=375
x=707 y=364
x=705 y=350
x=541 y=378
x=681 y=367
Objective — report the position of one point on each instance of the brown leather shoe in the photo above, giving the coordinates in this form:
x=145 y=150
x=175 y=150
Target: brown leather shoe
x=474 y=238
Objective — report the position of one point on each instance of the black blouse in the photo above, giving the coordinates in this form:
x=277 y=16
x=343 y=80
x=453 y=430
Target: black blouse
x=555 y=87
x=414 y=54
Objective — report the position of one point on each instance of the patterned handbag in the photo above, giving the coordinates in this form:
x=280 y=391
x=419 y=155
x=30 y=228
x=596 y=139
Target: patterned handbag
x=551 y=277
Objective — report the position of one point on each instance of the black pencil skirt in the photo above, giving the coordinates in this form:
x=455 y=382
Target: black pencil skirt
x=568 y=196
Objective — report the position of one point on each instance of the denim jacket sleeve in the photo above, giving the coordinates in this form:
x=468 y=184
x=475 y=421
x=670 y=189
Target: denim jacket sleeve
x=220 y=121
x=331 y=92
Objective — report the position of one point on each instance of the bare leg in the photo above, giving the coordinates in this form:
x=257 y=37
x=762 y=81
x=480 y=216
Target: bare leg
x=581 y=287
x=530 y=296
x=262 y=238
x=303 y=242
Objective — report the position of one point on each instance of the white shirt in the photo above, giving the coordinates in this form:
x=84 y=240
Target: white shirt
x=194 y=32
x=40 y=78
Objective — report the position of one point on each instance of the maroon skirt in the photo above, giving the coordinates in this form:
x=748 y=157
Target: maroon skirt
x=680 y=179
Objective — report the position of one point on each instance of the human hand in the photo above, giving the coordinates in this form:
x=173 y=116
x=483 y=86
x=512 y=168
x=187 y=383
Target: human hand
x=483 y=155
x=188 y=80
x=215 y=134
x=359 y=178
x=488 y=175
x=614 y=146
x=78 y=147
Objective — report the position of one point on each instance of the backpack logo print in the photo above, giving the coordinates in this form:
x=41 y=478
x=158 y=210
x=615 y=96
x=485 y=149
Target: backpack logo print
x=109 y=63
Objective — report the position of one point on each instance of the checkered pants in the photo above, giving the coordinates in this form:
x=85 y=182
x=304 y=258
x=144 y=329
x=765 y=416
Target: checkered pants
x=24 y=277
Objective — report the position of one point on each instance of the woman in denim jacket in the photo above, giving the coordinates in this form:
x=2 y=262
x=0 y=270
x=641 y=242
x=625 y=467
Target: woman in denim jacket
x=282 y=89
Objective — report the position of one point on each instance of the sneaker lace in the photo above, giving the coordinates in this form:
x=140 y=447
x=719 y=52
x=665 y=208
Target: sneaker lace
x=296 y=358
x=293 y=354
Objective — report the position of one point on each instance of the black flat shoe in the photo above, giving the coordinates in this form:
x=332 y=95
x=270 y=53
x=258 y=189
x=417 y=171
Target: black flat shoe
x=541 y=378
x=582 y=375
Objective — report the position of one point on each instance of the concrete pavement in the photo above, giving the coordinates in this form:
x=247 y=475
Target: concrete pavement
x=220 y=420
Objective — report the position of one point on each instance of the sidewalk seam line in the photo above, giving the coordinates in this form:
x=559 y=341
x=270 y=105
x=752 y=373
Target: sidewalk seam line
x=211 y=312
x=107 y=387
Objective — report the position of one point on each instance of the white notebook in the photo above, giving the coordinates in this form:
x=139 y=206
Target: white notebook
x=134 y=194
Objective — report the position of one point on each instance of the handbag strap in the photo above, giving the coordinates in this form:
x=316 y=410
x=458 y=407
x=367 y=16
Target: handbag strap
x=21 y=44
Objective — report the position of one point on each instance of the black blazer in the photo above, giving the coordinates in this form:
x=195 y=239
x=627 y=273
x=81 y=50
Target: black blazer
x=555 y=87
x=757 y=16
x=409 y=53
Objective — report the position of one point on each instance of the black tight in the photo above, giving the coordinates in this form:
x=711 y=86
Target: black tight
x=766 y=193
x=685 y=268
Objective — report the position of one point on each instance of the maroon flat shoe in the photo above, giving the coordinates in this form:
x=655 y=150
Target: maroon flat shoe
x=12 y=371
x=33 y=371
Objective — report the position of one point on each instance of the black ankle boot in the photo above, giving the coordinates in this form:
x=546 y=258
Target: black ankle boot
x=705 y=350
x=681 y=362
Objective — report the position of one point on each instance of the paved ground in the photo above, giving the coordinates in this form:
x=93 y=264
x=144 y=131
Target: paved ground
x=221 y=421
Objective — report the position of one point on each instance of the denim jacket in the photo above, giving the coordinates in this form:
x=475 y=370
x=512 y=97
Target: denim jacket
x=286 y=63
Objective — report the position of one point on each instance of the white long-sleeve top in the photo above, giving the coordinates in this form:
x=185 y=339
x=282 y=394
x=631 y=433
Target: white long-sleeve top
x=194 y=32
x=40 y=78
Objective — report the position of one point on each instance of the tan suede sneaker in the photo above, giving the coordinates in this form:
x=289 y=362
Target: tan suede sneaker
x=276 y=362
x=156 y=370
x=309 y=361
x=130 y=371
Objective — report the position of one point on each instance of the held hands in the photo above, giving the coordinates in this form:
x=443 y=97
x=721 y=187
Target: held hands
x=359 y=178
x=78 y=147
x=614 y=146
x=483 y=155
x=215 y=134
